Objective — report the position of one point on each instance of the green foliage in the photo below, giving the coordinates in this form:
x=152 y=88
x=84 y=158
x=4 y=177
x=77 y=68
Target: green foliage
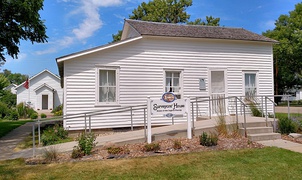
x=13 y=115
x=58 y=111
x=255 y=111
x=4 y=111
x=210 y=21
x=152 y=147
x=24 y=25
x=287 y=53
x=287 y=126
x=87 y=142
x=34 y=116
x=3 y=81
x=52 y=135
x=14 y=78
x=43 y=115
x=208 y=140
x=8 y=98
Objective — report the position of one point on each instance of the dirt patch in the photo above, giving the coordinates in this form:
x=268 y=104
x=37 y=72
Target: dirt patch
x=166 y=147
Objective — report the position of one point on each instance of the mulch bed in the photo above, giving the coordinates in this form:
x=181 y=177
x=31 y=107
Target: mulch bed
x=167 y=147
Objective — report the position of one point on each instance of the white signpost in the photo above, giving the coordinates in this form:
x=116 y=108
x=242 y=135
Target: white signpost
x=168 y=106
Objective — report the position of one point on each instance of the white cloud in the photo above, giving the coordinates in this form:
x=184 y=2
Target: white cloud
x=89 y=22
x=21 y=57
x=270 y=24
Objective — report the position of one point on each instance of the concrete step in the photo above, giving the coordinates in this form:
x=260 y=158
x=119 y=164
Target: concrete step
x=201 y=118
x=264 y=136
x=256 y=124
x=256 y=130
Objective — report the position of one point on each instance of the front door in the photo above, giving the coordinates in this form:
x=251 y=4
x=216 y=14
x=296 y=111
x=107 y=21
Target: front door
x=44 y=101
x=217 y=92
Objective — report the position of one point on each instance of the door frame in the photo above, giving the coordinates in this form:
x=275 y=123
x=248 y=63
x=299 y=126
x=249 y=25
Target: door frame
x=210 y=70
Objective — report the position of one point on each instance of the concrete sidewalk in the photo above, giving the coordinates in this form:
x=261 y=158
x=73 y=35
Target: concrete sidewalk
x=158 y=133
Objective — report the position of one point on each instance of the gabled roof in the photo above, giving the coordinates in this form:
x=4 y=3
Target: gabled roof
x=44 y=85
x=194 y=31
x=10 y=86
x=33 y=77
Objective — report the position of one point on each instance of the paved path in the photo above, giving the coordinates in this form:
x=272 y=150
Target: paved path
x=9 y=142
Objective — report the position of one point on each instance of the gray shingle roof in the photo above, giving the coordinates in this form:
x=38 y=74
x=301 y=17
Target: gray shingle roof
x=195 y=31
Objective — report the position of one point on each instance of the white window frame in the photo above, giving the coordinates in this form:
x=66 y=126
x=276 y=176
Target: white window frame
x=116 y=69
x=256 y=79
x=180 y=71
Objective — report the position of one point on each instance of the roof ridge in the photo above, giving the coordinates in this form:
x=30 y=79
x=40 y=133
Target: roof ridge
x=178 y=24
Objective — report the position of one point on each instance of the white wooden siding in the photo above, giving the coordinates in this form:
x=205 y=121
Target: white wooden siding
x=142 y=64
x=54 y=100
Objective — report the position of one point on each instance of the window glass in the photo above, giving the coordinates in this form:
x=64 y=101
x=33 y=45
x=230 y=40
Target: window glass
x=172 y=83
x=250 y=85
x=107 y=85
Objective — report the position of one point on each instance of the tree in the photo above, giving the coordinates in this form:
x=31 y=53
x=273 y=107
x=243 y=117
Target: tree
x=20 y=20
x=288 y=53
x=210 y=21
x=166 y=11
x=3 y=82
x=14 y=78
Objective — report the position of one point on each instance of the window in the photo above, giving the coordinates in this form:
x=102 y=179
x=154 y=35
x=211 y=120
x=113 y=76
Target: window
x=107 y=85
x=250 y=85
x=172 y=84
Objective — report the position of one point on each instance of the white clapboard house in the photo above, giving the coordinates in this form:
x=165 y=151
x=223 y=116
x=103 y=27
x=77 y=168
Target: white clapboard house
x=42 y=91
x=153 y=58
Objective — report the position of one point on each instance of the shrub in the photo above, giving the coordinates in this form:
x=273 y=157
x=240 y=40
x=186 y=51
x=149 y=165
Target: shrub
x=50 y=154
x=34 y=116
x=21 y=110
x=287 y=126
x=152 y=147
x=87 y=142
x=58 y=111
x=43 y=115
x=52 y=135
x=208 y=140
x=4 y=111
x=177 y=144
x=14 y=115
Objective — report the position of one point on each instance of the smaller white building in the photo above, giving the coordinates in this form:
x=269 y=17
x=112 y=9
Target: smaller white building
x=11 y=88
x=44 y=91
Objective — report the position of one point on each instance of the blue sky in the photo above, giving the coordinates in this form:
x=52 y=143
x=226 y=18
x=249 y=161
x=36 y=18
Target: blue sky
x=75 y=25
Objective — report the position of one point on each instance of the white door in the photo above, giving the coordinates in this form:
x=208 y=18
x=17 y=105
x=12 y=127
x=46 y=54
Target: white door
x=217 y=92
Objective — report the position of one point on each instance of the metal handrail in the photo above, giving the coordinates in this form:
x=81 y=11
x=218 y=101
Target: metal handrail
x=266 y=114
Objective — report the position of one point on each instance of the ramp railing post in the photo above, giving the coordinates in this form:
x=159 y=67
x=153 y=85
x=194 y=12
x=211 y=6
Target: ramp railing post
x=131 y=116
x=34 y=141
x=145 y=127
x=39 y=132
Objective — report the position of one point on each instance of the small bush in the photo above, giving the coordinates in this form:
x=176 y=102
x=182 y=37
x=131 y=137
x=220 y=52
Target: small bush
x=77 y=152
x=87 y=142
x=43 y=115
x=51 y=135
x=58 y=111
x=177 y=144
x=208 y=140
x=152 y=147
x=114 y=150
x=4 y=111
x=50 y=154
x=14 y=115
x=34 y=116
x=287 y=126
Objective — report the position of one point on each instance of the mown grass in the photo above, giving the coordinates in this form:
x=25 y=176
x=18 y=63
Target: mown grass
x=267 y=163
x=7 y=126
x=298 y=116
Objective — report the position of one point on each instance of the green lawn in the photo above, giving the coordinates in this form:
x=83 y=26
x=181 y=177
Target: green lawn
x=267 y=163
x=8 y=126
